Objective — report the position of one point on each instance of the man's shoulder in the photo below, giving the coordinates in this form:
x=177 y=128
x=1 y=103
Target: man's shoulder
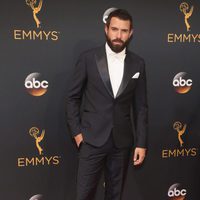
x=92 y=51
x=135 y=57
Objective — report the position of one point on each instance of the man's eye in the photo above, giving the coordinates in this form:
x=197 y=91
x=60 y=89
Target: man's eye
x=125 y=31
x=114 y=29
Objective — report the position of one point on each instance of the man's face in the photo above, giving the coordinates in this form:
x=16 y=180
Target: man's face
x=118 y=34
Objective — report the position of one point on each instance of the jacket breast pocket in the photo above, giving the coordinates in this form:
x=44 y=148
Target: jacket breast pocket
x=131 y=84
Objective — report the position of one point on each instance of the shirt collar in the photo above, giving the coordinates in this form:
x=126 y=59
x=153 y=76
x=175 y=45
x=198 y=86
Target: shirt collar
x=109 y=51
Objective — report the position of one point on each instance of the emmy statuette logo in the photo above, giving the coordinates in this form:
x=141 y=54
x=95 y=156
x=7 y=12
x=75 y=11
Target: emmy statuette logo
x=35 y=133
x=41 y=159
x=38 y=32
x=183 y=150
x=36 y=9
x=180 y=130
x=187 y=11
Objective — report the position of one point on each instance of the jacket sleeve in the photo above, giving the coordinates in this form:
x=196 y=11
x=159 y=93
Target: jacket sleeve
x=140 y=108
x=74 y=96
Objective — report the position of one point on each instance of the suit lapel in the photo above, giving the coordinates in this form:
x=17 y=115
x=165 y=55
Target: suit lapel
x=128 y=73
x=102 y=66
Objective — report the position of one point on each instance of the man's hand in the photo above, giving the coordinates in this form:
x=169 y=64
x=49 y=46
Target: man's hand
x=78 y=138
x=139 y=155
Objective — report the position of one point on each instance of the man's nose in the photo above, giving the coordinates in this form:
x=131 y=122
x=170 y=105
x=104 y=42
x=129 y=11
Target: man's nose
x=119 y=34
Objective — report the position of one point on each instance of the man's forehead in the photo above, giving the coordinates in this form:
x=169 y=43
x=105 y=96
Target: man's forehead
x=119 y=22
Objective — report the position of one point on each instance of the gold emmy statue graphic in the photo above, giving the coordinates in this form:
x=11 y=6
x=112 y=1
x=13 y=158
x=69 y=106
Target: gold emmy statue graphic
x=36 y=10
x=34 y=132
x=184 y=8
x=181 y=130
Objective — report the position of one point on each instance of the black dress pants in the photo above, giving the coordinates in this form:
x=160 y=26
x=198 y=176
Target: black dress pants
x=92 y=160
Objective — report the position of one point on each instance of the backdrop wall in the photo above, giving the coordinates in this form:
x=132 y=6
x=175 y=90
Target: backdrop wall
x=40 y=43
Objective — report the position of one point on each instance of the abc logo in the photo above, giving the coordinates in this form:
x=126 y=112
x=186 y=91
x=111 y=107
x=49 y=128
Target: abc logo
x=177 y=192
x=107 y=13
x=181 y=84
x=35 y=85
x=36 y=197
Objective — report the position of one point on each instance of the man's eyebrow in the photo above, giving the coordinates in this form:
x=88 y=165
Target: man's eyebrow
x=125 y=29
x=114 y=27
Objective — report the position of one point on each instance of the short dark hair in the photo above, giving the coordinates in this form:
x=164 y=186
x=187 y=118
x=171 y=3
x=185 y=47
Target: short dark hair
x=121 y=14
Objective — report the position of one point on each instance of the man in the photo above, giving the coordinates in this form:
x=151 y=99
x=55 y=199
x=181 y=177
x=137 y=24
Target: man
x=112 y=81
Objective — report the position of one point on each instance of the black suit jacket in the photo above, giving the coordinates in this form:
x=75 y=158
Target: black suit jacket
x=101 y=112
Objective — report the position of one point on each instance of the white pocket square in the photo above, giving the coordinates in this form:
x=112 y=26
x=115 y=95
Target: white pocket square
x=136 y=75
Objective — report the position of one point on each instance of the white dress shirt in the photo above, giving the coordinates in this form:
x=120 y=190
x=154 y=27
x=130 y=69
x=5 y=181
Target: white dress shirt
x=115 y=67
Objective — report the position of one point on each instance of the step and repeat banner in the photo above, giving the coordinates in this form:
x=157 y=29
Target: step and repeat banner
x=40 y=41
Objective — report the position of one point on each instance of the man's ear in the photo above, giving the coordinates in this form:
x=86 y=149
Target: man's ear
x=131 y=33
x=106 y=29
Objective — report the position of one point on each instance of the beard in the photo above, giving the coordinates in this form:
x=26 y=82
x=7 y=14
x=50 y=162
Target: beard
x=117 y=48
